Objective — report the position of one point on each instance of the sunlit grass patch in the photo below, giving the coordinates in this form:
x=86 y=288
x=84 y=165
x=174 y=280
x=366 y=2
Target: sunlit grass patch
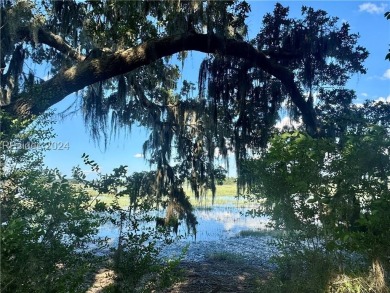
x=224 y=256
x=225 y=195
x=227 y=190
x=363 y=282
x=319 y=271
x=123 y=201
x=221 y=190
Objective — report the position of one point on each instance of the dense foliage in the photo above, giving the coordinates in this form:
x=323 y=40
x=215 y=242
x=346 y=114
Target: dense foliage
x=101 y=47
x=46 y=223
x=326 y=181
x=330 y=194
x=49 y=224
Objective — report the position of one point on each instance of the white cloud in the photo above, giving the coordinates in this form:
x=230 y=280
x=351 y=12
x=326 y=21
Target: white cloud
x=138 y=156
x=386 y=75
x=384 y=100
x=364 y=94
x=359 y=105
x=287 y=122
x=373 y=8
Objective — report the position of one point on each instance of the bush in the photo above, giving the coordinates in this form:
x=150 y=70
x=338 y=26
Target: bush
x=332 y=197
x=49 y=225
x=315 y=270
x=46 y=223
x=334 y=191
x=135 y=258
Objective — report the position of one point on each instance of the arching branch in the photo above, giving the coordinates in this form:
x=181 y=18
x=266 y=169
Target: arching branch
x=107 y=66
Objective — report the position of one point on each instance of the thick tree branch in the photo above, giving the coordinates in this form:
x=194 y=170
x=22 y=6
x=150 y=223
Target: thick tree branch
x=52 y=40
x=107 y=66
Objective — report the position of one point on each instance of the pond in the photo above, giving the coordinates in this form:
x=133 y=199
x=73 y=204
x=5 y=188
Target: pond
x=215 y=222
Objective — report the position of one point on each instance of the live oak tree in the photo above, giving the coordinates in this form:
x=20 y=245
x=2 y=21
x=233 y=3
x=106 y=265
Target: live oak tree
x=118 y=57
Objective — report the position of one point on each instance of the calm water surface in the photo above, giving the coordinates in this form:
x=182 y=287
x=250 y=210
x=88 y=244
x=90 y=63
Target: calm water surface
x=215 y=222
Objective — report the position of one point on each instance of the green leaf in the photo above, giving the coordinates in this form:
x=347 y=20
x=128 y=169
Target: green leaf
x=286 y=135
x=325 y=200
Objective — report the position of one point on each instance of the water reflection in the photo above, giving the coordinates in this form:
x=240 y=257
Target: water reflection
x=214 y=223
x=222 y=222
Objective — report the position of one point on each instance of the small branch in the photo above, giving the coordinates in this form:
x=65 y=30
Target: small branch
x=52 y=40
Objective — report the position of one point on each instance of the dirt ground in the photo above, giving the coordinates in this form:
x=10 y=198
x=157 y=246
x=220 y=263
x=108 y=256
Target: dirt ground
x=214 y=276
x=210 y=276
x=101 y=279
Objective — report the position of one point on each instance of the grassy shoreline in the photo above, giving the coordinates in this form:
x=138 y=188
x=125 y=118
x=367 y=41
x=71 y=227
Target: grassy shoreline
x=225 y=194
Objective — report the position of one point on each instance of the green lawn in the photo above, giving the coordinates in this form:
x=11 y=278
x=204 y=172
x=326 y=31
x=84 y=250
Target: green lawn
x=224 y=194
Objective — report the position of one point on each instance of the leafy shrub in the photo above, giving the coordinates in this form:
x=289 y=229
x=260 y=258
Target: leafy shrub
x=332 y=195
x=49 y=224
x=135 y=258
x=46 y=223
x=303 y=269
x=321 y=189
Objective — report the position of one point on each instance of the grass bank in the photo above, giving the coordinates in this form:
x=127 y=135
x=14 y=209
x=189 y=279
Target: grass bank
x=225 y=194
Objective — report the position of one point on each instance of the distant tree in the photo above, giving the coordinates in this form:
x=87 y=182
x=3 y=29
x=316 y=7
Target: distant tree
x=118 y=56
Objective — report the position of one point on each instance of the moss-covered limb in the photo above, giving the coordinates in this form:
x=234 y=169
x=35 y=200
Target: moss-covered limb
x=93 y=70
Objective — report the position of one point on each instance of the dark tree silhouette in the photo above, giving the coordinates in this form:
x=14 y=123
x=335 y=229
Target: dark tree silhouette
x=118 y=56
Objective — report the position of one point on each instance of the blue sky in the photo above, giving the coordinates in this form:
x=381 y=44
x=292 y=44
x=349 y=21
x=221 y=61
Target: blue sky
x=365 y=18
